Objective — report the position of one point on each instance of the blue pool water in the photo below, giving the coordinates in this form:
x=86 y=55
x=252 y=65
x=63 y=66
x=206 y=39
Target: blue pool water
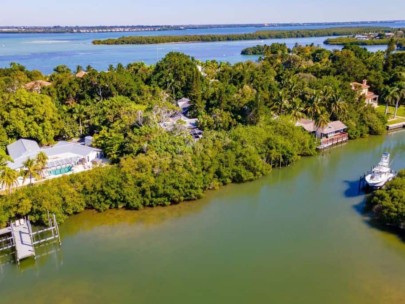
x=60 y=171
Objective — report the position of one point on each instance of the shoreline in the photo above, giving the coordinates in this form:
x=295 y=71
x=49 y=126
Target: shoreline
x=205 y=192
x=14 y=29
x=258 y=35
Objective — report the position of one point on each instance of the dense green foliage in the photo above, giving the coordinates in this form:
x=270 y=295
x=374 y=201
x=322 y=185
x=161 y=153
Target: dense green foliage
x=171 y=171
x=274 y=48
x=350 y=40
x=247 y=112
x=259 y=35
x=388 y=204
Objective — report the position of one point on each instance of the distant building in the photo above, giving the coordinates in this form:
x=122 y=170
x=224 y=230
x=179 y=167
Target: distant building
x=361 y=37
x=363 y=90
x=37 y=85
x=81 y=74
x=63 y=157
x=333 y=133
x=182 y=119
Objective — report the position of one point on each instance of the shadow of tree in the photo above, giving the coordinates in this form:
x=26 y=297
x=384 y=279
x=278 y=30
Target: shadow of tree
x=372 y=222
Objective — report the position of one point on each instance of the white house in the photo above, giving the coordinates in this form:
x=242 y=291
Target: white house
x=62 y=157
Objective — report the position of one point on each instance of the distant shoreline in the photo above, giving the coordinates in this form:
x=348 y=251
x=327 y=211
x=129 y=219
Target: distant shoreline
x=152 y=28
x=258 y=35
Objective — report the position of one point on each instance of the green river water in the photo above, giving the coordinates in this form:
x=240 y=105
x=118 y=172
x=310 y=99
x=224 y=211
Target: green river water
x=296 y=236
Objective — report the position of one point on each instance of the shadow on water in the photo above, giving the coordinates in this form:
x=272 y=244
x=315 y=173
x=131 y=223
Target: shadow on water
x=371 y=221
x=360 y=207
x=375 y=224
x=353 y=189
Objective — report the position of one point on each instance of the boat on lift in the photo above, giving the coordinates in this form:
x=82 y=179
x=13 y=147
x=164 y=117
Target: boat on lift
x=380 y=174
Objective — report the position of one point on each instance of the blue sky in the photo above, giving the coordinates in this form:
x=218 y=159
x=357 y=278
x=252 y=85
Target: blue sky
x=126 y=12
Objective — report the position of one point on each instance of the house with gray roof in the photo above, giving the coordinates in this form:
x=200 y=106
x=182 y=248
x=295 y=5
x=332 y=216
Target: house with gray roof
x=333 y=133
x=62 y=157
x=181 y=119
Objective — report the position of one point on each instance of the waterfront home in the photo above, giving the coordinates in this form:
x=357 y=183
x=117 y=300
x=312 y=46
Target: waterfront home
x=362 y=89
x=333 y=133
x=63 y=157
x=37 y=85
x=361 y=37
x=81 y=74
x=181 y=119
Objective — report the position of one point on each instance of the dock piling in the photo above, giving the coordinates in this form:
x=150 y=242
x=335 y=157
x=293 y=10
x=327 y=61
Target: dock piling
x=20 y=239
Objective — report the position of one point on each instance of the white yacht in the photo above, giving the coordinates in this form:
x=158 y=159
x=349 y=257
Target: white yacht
x=380 y=174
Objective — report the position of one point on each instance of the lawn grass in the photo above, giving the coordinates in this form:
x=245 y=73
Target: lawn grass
x=391 y=111
x=395 y=121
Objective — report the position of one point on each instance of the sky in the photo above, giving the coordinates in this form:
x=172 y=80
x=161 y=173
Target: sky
x=151 y=12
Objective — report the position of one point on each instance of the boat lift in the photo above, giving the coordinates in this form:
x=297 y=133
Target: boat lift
x=20 y=239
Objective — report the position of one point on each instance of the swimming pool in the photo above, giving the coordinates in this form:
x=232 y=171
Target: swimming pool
x=60 y=171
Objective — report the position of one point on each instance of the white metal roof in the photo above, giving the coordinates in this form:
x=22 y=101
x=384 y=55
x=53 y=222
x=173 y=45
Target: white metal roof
x=21 y=147
x=60 y=154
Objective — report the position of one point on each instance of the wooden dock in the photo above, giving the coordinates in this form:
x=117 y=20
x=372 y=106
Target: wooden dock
x=333 y=141
x=18 y=237
x=396 y=126
x=21 y=233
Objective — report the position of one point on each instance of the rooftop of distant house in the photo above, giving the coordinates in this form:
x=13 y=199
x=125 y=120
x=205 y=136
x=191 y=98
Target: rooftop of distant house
x=182 y=118
x=358 y=85
x=36 y=85
x=81 y=74
x=310 y=126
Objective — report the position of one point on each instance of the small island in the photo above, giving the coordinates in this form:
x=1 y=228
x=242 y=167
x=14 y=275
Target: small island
x=259 y=35
x=274 y=48
x=254 y=50
x=370 y=38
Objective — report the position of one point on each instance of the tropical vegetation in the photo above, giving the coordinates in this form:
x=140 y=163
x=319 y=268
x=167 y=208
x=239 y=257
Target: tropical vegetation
x=388 y=204
x=247 y=111
x=259 y=35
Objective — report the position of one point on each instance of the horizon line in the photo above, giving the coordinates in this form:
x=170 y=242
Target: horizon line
x=210 y=24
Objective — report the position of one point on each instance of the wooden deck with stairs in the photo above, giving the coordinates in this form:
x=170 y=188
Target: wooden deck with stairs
x=18 y=238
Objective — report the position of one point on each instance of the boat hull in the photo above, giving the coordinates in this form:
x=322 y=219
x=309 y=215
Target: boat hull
x=375 y=181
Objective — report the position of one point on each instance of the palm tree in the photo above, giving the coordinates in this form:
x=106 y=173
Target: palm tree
x=338 y=107
x=31 y=170
x=315 y=105
x=8 y=178
x=401 y=96
x=3 y=161
x=391 y=96
x=282 y=101
x=296 y=109
x=41 y=161
x=321 y=120
x=79 y=113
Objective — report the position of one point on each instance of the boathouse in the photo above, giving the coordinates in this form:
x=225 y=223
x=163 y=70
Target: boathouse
x=333 y=133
